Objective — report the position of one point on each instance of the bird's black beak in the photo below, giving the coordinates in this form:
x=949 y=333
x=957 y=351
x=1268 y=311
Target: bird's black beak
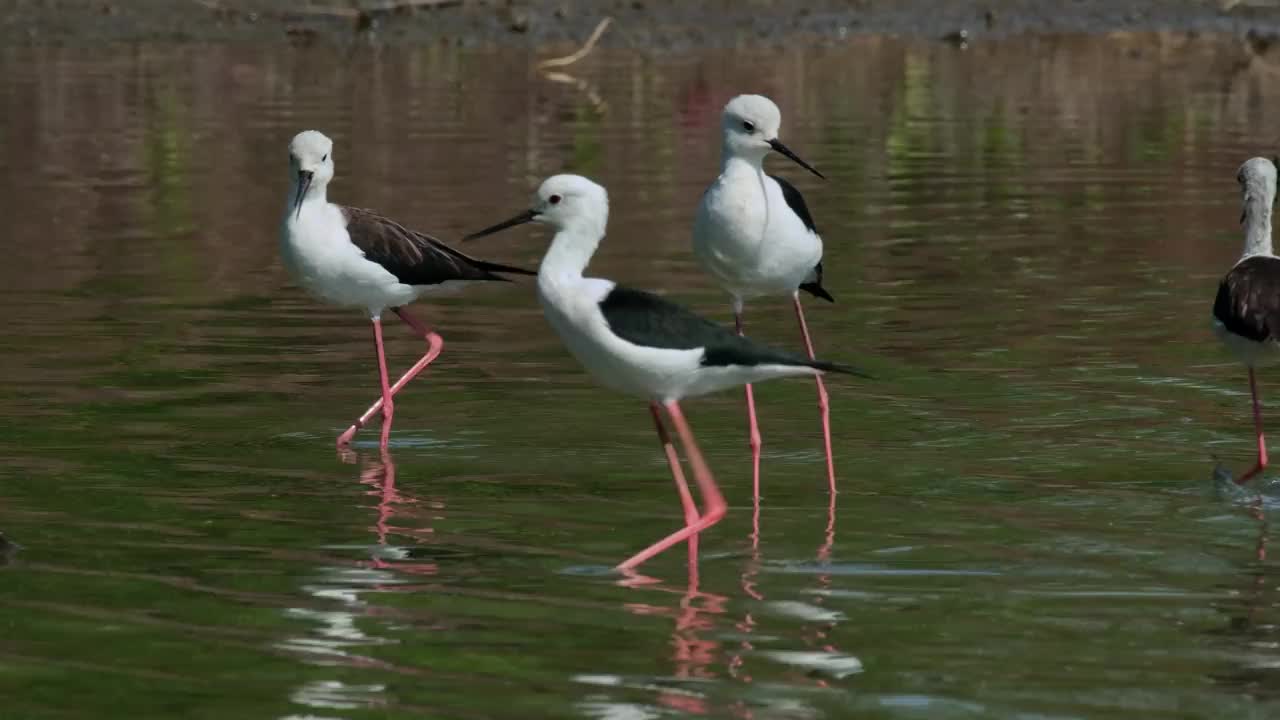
x=776 y=144
x=304 y=183
x=522 y=218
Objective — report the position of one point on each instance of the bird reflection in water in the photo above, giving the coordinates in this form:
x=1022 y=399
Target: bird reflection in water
x=338 y=637
x=379 y=473
x=696 y=653
x=1248 y=621
x=1248 y=632
x=693 y=653
x=816 y=636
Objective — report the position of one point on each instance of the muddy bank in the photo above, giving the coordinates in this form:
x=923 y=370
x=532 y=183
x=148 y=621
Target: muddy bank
x=638 y=23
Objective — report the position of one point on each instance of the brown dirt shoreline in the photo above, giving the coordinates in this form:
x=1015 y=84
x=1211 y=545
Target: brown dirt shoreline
x=655 y=24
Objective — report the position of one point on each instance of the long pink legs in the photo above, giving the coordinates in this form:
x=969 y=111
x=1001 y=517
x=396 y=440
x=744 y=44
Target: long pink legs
x=711 y=497
x=386 y=403
x=682 y=487
x=823 y=405
x=753 y=429
x=1257 y=424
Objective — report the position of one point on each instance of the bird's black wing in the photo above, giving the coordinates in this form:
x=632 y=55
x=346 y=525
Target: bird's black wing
x=413 y=257
x=648 y=320
x=795 y=201
x=1248 y=301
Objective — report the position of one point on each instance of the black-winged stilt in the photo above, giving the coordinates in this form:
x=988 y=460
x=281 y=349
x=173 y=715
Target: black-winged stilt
x=1246 y=311
x=357 y=258
x=639 y=343
x=755 y=235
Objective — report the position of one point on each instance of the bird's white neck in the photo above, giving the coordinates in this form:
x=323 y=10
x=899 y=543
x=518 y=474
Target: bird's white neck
x=1257 y=226
x=571 y=249
x=733 y=163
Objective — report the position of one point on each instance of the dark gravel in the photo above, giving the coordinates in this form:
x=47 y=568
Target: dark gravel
x=638 y=23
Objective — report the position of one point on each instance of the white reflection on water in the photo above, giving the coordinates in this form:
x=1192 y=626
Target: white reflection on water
x=337 y=632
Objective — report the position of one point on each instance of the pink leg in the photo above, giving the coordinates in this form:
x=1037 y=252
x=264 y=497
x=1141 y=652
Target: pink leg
x=823 y=405
x=753 y=429
x=1257 y=424
x=388 y=404
x=714 y=501
x=682 y=487
x=434 y=345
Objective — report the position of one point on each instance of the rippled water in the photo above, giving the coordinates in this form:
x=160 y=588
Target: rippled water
x=1024 y=239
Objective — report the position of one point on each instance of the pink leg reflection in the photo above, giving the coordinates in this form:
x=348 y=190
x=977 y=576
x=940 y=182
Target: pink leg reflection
x=380 y=474
x=819 y=636
x=824 y=406
x=695 y=616
x=1259 y=513
x=747 y=626
x=385 y=404
x=829 y=539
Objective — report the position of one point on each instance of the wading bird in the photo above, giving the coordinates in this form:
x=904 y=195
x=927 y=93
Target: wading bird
x=1246 y=312
x=754 y=234
x=638 y=343
x=357 y=258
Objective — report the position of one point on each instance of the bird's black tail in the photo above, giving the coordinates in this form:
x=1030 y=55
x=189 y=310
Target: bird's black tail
x=813 y=284
x=816 y=290
x=500 y=268
x=836 y=367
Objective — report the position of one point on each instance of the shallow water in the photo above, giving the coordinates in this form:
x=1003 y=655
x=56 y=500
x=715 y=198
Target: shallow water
x=1024 y=240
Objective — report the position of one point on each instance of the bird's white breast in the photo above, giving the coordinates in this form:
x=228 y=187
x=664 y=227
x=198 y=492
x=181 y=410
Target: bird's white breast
x=572 y=307
x=318 y=252
x=750 y=240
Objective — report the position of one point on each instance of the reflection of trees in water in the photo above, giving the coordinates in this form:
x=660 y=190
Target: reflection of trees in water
x=212 y=121
x=959 y=178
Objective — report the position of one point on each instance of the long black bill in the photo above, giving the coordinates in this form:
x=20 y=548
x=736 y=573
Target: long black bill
x=776 y=144
x=522 y=218
x=304 y=183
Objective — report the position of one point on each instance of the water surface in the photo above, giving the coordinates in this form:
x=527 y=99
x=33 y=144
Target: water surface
x=1024 y=239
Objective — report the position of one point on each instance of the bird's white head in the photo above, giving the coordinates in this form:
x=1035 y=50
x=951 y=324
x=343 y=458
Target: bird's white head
x=749 y=129
x=310 y=166
x=579 y=211
x=1257 y=178
x=748 y=123
x=565 y=202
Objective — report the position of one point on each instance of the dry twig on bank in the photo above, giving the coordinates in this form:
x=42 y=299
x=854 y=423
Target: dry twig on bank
x=581 y=52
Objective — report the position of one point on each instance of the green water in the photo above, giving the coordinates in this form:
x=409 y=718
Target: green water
x=1024 y=240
